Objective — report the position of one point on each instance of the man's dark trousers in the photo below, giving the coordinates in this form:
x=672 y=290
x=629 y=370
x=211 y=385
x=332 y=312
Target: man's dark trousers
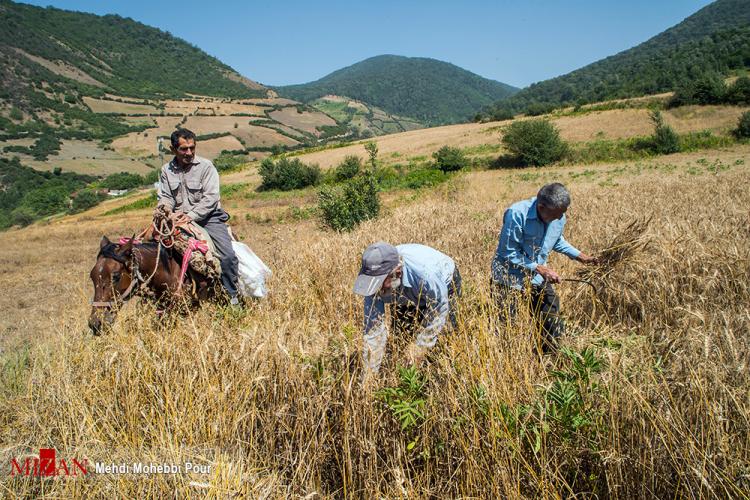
x=407 y=317
x=216 y=228
x=544 y=305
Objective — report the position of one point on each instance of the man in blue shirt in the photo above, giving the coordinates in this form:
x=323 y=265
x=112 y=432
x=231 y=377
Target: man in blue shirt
x=419 y=281
x=531 y=230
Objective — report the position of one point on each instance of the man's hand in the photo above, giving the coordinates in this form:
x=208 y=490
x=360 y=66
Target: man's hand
x=587 y=259
x=548 y=274
x=182 y=218
x=162 y=209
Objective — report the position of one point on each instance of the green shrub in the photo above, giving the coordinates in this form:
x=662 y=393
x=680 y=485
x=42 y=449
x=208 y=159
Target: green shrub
x=227 y=161
x=743 y=126
x=152 y=177
x=22 y=216
x=709 y=89
x=344 y=207
x=287 y=174
x=408 y=399
x=534 y=142
x=123 y=180
x=372 y=151
x=704 y=139
x=449 y=159
x=501 y=114
x=347 y=169
x=571 y=410
x=86 y=199
x=422 y=177
x=605 y=150
x=538 y=108
x=739 y=92
x=387 y=177
x=665 y=140
x=46 y=200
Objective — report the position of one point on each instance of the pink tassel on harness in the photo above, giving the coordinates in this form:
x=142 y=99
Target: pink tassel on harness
x=125 y=241
x=193 y=244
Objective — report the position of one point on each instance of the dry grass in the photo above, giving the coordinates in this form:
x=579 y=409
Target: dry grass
x=305 y=121
x=86 y=157
x=253 y=135
x=144 y=143
x=610 y=124
x=63 y=69
x=209 y=106
x=271 y=398
x=106 y=106
x=213 y=147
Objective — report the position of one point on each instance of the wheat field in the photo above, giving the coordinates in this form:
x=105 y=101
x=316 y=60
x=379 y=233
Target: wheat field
x=655 y=366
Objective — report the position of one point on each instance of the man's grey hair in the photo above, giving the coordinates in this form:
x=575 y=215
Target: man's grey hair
x=554 y=196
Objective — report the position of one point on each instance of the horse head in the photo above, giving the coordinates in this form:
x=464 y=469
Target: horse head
x=114 y=279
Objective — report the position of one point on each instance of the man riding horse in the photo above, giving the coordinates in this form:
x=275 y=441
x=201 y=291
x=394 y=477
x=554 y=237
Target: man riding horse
x=189 y=187
x=189 y=193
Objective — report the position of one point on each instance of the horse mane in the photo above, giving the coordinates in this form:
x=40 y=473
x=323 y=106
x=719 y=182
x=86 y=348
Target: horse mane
x=110 y=252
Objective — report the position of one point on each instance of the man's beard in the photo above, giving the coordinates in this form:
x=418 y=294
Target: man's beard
x=387 y=295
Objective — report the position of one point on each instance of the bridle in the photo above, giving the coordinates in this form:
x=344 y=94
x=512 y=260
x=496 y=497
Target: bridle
x=136 y=281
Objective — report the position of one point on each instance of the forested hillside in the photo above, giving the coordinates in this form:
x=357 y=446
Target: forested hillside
x=50 y=59
x=713 y=41
x=430 y=91
x=117 y=54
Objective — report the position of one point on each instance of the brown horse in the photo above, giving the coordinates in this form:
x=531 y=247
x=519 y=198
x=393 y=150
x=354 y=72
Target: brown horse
x=123 y=271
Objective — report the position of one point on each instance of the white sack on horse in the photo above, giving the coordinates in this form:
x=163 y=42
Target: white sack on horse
x=253 y=272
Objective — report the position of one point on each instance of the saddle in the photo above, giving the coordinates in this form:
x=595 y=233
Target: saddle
x=190 y=240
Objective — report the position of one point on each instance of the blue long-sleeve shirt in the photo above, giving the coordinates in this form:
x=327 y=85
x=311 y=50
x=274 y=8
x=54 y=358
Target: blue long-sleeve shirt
x=525 y=242
x=426 y=276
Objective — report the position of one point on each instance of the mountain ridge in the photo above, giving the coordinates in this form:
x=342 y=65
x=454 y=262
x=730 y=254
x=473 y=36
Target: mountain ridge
x=713 y=40
x=425 y=89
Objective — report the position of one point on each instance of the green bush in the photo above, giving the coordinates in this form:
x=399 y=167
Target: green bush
x=534 y=142
x=739 y=92
x=22 y=216
x=422 y=177
x=449 y=159
x=665 y=140
x=501 y=114
x=571 y=411
x=123 y=180
x=287 y=174
x=538 y=108
x=46 y=145
x=227 y=161
x=46 y=200
x=86 y=199
x=704 y=139
x=408 y=399
x=347 y=169
x=152 y=177
x=344 y=207
x=743 y=126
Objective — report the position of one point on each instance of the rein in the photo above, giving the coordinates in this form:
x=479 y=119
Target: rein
x=136 y=281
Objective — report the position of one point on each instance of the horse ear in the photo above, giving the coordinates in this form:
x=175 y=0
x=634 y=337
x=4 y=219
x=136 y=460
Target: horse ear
x=105 y=241
x=127 y=247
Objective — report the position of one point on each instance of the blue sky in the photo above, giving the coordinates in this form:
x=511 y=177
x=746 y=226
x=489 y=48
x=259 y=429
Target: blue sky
x=517 y=42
